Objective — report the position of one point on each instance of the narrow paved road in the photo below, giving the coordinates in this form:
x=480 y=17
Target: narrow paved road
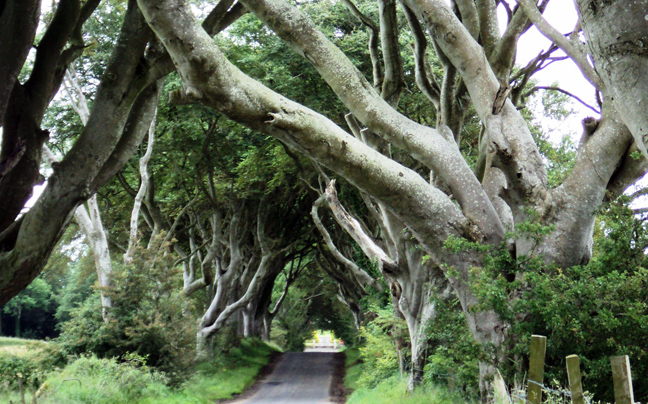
x=298 y=378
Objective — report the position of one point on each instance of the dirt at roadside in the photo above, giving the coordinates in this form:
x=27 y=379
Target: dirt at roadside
x=338 y=391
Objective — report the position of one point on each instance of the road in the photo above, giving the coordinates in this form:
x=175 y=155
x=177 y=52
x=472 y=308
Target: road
x=298 y=378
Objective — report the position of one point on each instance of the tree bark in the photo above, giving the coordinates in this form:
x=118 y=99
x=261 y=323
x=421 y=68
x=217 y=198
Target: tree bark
x=141 y=193
x=18 y=23
x=26 y=244
x=620 y=56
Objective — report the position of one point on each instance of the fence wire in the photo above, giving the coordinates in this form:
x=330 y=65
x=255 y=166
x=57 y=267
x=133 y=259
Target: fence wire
x=548 y=390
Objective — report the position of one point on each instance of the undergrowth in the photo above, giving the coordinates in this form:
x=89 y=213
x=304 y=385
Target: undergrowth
x=89 y=379
x=390 y=390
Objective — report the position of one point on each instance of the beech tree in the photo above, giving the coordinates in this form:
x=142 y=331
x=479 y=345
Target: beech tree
x=431 y=205
x=509 y=186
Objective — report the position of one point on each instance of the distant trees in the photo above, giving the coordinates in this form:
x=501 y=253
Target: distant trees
x=36 y=295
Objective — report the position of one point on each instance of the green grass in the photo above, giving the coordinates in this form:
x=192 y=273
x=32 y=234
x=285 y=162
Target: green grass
x=107 y=381
x=354 y=367
x=394 y=390
x=20 y=347
x=223 y=378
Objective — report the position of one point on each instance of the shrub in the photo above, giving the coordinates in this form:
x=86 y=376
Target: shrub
x=32 y=360
x=146 y=318
x=93 y=380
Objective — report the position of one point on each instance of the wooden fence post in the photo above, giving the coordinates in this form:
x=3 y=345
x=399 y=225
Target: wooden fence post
x=574 y=377
x=20 y=387
x=623 y=393
x=536 y=368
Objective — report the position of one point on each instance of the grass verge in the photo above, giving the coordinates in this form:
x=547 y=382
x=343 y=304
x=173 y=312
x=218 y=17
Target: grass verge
x=107 y=381
x=391 y=390
x=394 y=390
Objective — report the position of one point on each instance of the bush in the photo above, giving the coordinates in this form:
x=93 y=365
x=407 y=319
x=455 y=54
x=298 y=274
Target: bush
x=454 y=354
x=12 y=366
x=32 y=360
x=93 y=380
x=146 y=318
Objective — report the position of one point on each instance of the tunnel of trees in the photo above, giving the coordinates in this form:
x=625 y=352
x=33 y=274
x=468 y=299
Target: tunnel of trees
x=212 y=170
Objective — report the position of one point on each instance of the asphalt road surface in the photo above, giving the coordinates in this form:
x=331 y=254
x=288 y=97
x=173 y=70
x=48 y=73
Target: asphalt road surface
x=298 y=378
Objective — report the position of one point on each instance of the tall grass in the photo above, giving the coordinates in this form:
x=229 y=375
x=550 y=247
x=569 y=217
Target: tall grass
x=20 y=346
x=391 y=390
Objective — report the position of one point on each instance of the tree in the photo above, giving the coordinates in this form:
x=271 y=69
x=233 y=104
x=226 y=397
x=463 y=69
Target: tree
x=509 y=187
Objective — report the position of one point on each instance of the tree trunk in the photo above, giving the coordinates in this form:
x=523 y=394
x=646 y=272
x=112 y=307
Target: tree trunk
x=90 y=223
x=17 y=325
x=616 y=38
x=267 y=327
x=18 y=23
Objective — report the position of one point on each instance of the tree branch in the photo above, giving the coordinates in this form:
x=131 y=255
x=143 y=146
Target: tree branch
x=362 y=277
x=579 y=57
x=554 y=88
x=354 y=229
x=427 y=145
x=144 y=184
x=394 y=82
x=18 y=23
x=424 y=79
x=374 y=37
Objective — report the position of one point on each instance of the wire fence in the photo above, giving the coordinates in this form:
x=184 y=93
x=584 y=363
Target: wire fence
x=548 y=390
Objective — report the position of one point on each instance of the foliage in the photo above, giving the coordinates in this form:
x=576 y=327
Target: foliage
x=14 y=367
x=552 y=108
x=378 y=351
x=454 y=355
x=31 y=360
x=596 y=310
x=130 y=379
x=37 y=295
x=146 y=317
x=93 y=380
x=291 y=327
x=78 y=287
x=311 y=303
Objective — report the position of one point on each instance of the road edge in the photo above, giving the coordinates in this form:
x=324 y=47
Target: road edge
x=263 y=373
x=337 y=391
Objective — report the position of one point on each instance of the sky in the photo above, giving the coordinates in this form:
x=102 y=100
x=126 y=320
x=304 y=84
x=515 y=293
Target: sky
x=561 y=15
